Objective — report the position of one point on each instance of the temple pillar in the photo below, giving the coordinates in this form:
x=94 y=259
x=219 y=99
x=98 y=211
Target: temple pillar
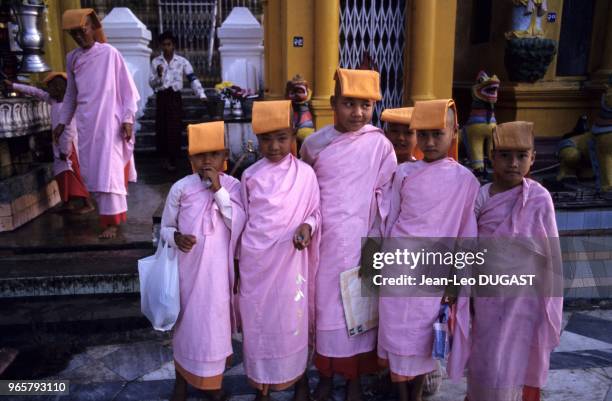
x=57 y=42
x=273 y=85
x=431 y=49
x=326 y=58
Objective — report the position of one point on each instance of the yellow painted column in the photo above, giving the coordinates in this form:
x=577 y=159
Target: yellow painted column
x=273 y=50
x=54 y=43
x=432 y=47
x=298 y=21
x=326 y=58
x=69 y=43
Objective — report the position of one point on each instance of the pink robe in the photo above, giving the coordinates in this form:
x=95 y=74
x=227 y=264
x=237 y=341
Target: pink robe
x=354 y=169
x=429 y=200
x=101 y=95
x=68 y=139
x=512 y=338
x=277 y=280
x=202 y=334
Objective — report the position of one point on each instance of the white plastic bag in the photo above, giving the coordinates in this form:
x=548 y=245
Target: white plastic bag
x=159 y=287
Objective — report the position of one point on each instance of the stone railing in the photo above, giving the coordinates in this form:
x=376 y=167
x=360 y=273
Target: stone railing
x=21 y=116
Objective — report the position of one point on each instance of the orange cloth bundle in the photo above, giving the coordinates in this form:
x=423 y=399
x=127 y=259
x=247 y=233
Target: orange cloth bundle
x=401 y=115
x=515 y=135
x=431 y=114
x=77 y=18
x=271 y=116
x=359 y=84
x=53 y=74
x=205 y=137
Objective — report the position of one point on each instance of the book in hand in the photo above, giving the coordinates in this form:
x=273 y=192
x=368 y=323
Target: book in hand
x=360 y=309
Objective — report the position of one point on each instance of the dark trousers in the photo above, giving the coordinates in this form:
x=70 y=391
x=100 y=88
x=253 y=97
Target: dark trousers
x=169 y=123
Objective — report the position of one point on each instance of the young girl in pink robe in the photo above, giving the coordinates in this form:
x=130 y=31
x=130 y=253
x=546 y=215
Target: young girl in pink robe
x=102 y=97
x=512 y=337
x=397 y=129
x=65 y=152
x=203 y=218
x=278 y=256
x=354 y=163
x=430 y=198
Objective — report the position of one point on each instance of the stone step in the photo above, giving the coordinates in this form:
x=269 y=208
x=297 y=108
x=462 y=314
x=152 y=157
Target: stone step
x=71 y=273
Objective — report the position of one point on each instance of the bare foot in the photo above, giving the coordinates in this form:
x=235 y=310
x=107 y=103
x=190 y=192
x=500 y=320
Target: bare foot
x=353 y=390
x=323 y=390
x=180 y=388
x=215 y=395
x=260 y=396
x=86 y=208
x=403 y=391
x=416 y=388
x=179 y=393
x=301 y=389
x=109 y=232
x=64 y=207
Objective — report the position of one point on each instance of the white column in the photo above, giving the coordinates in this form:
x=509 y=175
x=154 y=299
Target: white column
x=241 y=49
x=131 y=37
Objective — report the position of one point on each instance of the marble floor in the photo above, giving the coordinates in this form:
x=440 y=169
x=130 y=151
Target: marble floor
x=581 y=369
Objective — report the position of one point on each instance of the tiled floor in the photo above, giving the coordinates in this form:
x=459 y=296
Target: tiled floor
x=581 y=369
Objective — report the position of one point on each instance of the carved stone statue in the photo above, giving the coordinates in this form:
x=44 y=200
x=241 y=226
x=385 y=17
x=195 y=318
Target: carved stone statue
x=477 y=131
x=299 y=93
x=527 y=19
x=528 y=53
x=583 y=149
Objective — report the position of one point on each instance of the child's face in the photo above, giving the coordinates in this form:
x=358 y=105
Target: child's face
x=167 y=47
x=274 y=146
x=84 y=37
x=214 y=159
x=351 y=113
x=57 y=88
x=435 y=143
x=403 y=140
x=510 y=166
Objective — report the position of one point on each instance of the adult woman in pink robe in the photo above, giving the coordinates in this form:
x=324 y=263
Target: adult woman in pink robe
x=102 y=97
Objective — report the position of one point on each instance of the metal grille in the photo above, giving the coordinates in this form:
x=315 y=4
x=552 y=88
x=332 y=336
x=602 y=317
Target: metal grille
x=226 y=6
x=193 y=23
x=372 y=36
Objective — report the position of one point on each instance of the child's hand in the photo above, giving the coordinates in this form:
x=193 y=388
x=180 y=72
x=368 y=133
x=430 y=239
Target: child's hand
x=57 y=132
x=302 y=236
x=184 y=242
x=448 y=299
x=213 y=175
x=126 y=128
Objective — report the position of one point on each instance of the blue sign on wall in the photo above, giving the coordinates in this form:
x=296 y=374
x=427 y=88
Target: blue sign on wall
x=551 y=17
x=298 y=41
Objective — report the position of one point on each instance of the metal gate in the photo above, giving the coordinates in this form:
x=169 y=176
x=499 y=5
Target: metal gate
x=372 y=36
x=193 y=23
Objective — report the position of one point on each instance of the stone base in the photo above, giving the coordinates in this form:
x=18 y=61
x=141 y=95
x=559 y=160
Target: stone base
x=27 y=196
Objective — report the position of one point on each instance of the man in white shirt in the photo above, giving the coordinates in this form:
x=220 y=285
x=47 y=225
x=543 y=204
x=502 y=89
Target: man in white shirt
x=166 y=79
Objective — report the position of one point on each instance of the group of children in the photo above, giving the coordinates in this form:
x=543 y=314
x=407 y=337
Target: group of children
x=294 y=226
